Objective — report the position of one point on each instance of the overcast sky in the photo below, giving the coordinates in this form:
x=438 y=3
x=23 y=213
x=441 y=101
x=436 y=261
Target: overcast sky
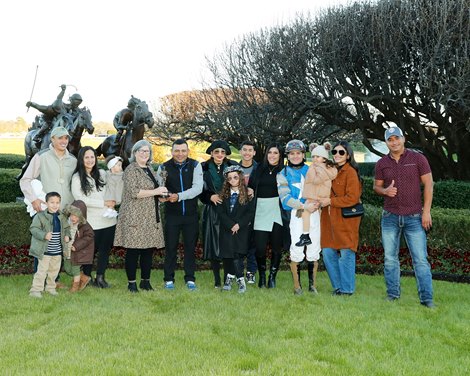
x=110 y=50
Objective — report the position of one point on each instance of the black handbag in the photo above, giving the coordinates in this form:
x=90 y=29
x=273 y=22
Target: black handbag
x=353 y=211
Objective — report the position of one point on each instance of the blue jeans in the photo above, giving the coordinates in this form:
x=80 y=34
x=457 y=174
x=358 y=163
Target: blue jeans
x=251 y=265
x=341 y=268
x=410 y=225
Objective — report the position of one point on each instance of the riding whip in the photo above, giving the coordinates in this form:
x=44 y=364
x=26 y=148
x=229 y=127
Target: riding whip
x=34 y=84
x=76 y=88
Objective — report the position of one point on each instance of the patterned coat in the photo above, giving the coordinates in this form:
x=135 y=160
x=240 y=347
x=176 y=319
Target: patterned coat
x=137 y=225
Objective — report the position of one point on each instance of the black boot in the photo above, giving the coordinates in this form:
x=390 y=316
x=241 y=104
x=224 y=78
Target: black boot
x=132 y=287
x=100 y=282
x=298 y=275
x=145 y=285
x=261 y=261
x=275 y=262
x=311 y=287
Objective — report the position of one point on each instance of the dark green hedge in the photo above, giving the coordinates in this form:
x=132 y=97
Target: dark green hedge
x=449 y=230
x=367 y=168
x=14 y=225
x=447 y=194
x=9 y=186
x=450 y=227
x=452 y=194
x=11 y=160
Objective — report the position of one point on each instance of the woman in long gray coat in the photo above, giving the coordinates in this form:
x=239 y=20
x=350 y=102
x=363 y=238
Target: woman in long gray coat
x=139 y=229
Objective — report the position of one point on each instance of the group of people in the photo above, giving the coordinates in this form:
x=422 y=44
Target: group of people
x=249 y=210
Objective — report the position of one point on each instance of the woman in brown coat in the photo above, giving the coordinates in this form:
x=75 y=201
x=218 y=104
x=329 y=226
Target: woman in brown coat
x=139 y=228
x=339 y=235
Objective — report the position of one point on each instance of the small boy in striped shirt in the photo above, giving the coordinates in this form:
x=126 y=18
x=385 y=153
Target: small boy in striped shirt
x=50 y=231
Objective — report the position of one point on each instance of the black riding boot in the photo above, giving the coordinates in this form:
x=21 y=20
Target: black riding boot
x=132 y=287
x=310 y=275
x=275 y=262
x=261 y=261
x=100 y=282
x=145 y=285
x=298 y=274
x=311 y=286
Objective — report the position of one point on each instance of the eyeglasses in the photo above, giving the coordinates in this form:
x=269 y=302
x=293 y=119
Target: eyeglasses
x=230 y=178
x=340 y=152
x=219 y=151
x=143 y=151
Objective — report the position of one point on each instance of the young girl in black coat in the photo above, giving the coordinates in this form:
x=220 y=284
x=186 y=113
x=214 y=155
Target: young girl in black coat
x=235 y=213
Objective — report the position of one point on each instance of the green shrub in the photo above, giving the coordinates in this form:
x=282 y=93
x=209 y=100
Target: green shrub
x=367 y=168
x=450 y=227
x=451 y=194
x=11 y=160
x=449 y=230
x=447 y=194
x=368 y=194
x=14 y=224
x=9 y=186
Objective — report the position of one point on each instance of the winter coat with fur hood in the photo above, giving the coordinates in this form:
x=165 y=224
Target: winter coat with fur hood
x=84 y=241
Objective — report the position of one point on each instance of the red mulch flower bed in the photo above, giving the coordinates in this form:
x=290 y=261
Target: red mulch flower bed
x=447 y=264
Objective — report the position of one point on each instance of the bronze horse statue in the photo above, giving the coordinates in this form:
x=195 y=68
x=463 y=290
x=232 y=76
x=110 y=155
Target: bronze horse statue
x=135 y=122
x=74 y=127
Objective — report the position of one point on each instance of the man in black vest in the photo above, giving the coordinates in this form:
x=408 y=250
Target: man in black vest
x=183 y=178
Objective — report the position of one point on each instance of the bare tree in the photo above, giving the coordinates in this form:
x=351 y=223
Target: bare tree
x=403 y=62
x=352 y=70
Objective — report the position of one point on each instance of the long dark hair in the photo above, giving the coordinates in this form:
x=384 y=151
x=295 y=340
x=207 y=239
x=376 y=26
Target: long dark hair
x=351 y=159
x=85 y=184
x=265 y=163
x=243 y=197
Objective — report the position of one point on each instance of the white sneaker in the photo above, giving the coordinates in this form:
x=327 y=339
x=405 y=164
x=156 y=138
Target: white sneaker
x=241 y=285
x=35 y=294
x=228 y=282
x=53 y=292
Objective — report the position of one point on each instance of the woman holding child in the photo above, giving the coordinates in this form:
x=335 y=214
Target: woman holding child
x=89 y=185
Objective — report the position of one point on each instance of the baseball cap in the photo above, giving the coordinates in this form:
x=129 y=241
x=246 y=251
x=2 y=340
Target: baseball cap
x=393 y=131
x=59 y=132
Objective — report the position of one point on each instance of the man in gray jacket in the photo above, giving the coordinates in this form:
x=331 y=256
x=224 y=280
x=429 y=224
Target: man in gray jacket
x=54 y=166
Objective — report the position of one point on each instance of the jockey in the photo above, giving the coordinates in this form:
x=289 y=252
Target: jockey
x=72 y=107
x=123 y=118
x=71 y=110
x=50 y=112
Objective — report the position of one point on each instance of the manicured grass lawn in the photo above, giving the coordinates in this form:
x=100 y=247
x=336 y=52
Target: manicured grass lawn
x=207 y=332
x=15 y=145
